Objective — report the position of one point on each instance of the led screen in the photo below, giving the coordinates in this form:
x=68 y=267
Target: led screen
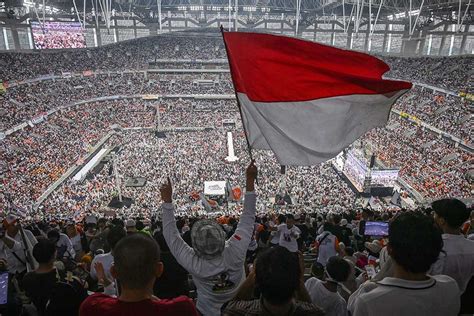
x=58 y=35
x=355 y=170
x=384 y=178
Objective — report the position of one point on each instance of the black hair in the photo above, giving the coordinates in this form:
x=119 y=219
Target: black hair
x=290 y=216
x=160 y=239
x=44 y=251
x=328 y=227
x=102 y=220
x=338 y=268
x=135 y=259
x=349 y=251
x=277 y=275
x=336 y=218
x=415 y=241
x=118 y=222
x=453 y=211
x=88 y=225
x=114 y=235
x=369 y=212
x=53 y=234
x=139 y=225
x=281 y=218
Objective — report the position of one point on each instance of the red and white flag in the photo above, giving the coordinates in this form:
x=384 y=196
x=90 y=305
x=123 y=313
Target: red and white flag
x=306 y=101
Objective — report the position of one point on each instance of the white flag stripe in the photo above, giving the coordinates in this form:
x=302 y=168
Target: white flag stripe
x=310 y=132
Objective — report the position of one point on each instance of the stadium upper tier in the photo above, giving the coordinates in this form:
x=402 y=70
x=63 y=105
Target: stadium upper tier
x=449 y=72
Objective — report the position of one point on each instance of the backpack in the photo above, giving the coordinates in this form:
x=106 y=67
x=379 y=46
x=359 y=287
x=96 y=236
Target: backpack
x=66 y=297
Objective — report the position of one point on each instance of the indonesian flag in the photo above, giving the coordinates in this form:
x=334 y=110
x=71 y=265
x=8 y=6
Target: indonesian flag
x=306 y=101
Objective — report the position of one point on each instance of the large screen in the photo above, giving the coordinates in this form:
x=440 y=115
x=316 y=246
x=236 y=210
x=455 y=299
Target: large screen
x=355 y=170
x=57 y=35
x=376 y=229
x=384 y=178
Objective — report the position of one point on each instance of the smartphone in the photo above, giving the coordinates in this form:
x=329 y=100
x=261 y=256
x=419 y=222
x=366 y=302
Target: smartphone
x=370 y=271
x=3 y=288
x=376 y=229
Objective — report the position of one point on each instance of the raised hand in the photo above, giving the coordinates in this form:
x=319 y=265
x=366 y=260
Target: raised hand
x=167 y=192
x=251 y=174
x=99 y=269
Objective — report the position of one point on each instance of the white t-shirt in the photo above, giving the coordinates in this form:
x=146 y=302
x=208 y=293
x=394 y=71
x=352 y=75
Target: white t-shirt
x=332 y=303
x=327 y=247
x=15 y=265
x=274 y=235
x=76 y=243
x=65 y=243
x=288 y=237
x=457 y=261
x=437 y=296
x=107 y=260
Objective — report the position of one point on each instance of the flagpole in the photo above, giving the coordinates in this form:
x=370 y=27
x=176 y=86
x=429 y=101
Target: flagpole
x=238 y=102
x=237 y=98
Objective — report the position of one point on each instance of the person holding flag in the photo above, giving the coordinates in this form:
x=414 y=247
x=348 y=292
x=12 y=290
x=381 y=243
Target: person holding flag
x=216 y=264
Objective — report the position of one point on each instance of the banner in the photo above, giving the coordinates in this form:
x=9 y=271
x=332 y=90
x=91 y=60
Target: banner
x=39 y=118
x=3 y=89
x=150 y=97
x=467 y=96
x=237 y=193
x=214 y=187
x=404 y=115
x=87 y=73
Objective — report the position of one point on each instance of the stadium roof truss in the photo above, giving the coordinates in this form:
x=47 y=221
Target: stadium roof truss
x=321 y=7
x=316 y=20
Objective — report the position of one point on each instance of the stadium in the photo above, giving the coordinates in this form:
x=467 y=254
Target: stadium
x=207 y=138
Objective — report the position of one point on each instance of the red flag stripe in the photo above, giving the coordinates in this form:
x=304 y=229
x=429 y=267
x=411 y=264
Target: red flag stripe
x=270 y=68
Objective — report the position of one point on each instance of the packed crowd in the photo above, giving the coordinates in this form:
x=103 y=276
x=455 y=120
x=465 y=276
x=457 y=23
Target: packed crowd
x=450 y=114
x=33 y=158
x=304 y=262
x=185 y=155
x=135 y=54
x=434 y=168
x=451 y=73
x=24 y=102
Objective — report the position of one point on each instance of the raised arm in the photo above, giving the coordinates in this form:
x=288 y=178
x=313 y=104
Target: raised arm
x=240 y=240
x=179 y=248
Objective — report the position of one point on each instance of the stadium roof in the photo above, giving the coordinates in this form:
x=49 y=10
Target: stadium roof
x=392 y=9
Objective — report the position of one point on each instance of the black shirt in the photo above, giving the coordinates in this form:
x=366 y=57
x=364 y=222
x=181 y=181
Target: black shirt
x=174 y=280
x=38 y=287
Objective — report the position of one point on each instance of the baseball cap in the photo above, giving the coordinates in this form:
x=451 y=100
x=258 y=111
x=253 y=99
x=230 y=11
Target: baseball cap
x=208 y=239
x=374 y=246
